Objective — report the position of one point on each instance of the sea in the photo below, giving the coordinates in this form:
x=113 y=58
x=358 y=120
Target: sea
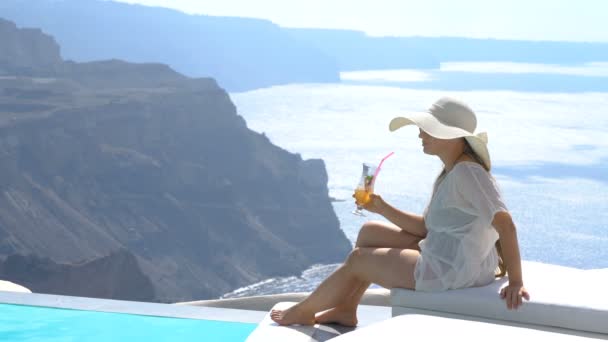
x=549 y=149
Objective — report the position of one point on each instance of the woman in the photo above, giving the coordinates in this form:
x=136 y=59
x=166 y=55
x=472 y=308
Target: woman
x=463 y=237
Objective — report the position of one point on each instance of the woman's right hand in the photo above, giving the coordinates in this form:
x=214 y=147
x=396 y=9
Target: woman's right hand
x=375 y=204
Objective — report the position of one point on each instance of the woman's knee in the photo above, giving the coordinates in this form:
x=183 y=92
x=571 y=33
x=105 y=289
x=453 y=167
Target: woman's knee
x=353 y=256
x=367 y=230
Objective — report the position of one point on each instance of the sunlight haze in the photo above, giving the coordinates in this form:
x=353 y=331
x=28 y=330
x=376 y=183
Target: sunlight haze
x=559 y=20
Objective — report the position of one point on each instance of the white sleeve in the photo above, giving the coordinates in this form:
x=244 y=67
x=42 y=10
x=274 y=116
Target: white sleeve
x=479 y=189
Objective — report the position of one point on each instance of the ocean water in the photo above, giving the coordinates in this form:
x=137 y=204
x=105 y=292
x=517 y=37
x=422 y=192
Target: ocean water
x=549 y=152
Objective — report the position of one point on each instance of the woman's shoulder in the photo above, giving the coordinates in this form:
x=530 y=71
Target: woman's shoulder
x=470 y=172
x=470 y=167
x=476 y=185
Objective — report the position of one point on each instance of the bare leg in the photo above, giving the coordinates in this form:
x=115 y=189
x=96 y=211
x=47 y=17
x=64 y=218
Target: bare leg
x=372 y=234
x=388 y=267
x=329 y=294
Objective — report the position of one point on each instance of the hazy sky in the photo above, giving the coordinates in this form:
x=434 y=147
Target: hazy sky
x=572 y=20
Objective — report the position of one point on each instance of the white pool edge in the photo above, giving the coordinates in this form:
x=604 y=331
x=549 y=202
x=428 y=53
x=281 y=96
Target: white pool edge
x=132 y=307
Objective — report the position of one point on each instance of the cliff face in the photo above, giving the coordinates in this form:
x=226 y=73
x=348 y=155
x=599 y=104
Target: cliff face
x=111 y=156
x=354 y=50
x=95 y=278
x=27 y=50
x=240 y=53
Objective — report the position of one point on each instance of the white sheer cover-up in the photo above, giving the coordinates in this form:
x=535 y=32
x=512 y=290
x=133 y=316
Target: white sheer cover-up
x=458 y=250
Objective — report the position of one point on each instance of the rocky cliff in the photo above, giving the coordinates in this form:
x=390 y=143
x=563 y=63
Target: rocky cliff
x=240 y=53
x=27 y=50
x=136 y=174
x=95 y=278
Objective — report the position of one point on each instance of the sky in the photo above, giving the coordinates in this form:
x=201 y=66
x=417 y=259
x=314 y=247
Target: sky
x=557 y=20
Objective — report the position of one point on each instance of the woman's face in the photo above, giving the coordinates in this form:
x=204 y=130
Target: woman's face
x=434 y=146
x=429 y=144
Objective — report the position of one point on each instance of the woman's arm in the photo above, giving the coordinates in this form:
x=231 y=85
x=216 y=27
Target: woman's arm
x=507 y=234
x=410 y=223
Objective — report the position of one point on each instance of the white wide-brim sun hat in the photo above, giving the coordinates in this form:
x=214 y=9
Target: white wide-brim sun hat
x=448 y=118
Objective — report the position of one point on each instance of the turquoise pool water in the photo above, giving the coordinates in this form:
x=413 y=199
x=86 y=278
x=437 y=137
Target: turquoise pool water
x=33 y=323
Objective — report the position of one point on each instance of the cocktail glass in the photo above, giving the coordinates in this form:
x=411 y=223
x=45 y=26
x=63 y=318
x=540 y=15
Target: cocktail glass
x=364 y=188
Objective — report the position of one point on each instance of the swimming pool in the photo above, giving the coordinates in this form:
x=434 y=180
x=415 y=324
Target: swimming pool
x=24 y=322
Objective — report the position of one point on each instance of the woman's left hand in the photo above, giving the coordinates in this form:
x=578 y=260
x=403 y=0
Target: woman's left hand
x=513 y=294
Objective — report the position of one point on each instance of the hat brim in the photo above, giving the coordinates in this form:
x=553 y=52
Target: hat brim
x=479 y=144
x=429 y=124
x=436 y=129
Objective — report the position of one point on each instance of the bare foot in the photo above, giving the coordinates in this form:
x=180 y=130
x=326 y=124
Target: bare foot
x=346 y=317
x=293 y=315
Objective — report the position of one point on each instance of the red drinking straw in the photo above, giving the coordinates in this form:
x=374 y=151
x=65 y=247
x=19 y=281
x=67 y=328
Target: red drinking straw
x=379 y=166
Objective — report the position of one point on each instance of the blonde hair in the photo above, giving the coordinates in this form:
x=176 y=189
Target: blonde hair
x=501 y=270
